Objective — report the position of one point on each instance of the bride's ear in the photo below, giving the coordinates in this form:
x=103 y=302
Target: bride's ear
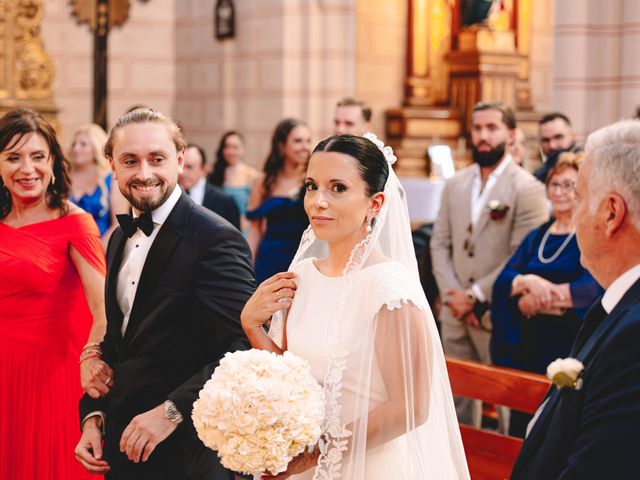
x=376 y=204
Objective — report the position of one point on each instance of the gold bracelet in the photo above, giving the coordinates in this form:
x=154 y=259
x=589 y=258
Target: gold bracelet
x=91 y=355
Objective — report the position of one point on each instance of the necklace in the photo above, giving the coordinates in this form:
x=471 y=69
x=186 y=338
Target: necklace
x=557 y=252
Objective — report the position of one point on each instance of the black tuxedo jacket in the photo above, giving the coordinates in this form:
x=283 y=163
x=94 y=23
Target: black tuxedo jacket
x=185 y=317
x=592 y=433
x=219 y=202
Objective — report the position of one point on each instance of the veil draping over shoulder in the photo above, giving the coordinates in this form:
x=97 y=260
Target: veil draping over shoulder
x=410 y=430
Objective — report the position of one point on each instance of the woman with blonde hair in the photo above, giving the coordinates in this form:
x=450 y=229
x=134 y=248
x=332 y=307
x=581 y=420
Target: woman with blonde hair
x=91 y=178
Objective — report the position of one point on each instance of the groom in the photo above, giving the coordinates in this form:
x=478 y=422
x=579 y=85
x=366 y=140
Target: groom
x=178 y=277
x=591 y=432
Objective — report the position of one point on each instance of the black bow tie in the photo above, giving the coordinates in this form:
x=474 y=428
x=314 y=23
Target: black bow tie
x=129 y=224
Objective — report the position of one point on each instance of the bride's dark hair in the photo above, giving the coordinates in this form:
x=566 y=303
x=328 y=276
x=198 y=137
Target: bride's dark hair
x=373 y=167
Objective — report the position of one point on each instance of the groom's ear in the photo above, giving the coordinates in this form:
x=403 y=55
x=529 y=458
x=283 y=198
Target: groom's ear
x=376 y=204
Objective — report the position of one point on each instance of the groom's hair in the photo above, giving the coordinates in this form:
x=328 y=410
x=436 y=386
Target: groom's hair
x=145 y=115
x=372 y=165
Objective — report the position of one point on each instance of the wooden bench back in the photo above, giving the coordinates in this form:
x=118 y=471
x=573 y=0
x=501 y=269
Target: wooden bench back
x=491 y=455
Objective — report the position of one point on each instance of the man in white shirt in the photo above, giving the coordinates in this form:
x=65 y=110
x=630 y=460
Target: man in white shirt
x=590 y=431
x=178 y=277
x=486 y=210
x=352 y=116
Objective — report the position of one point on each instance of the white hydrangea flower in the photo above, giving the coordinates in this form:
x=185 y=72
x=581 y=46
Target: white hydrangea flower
x=565 y=373
x=259 y=410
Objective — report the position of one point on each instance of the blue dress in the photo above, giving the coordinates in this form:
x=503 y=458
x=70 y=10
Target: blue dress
x=286 y=221
x=532 y=343
x=97 y=204
x=240 y=195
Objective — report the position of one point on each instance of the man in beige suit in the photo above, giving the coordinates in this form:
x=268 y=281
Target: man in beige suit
x=486 y=211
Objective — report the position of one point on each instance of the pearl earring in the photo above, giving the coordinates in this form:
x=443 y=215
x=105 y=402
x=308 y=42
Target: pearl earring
x=369 y=227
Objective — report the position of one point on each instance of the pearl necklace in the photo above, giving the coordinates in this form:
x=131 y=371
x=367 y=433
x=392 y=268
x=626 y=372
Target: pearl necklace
x=557 y=252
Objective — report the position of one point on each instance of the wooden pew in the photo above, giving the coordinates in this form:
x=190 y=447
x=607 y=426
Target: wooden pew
x=491 y=455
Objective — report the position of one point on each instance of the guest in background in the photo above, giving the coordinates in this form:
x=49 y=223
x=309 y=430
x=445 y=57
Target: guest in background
x=91 y=178
x=233 y=175
x=193 y=181
x=51 y=301
x=518 y=148
x=352 y=116
x=556 y=136
x=486 y=211
x=543 y=293
x=276 y=209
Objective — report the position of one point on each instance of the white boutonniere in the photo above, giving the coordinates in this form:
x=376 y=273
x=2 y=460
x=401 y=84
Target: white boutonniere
x=566 y=373
x=497 y=209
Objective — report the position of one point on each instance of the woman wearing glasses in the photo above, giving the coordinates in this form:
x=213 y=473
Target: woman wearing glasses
x=543 y=293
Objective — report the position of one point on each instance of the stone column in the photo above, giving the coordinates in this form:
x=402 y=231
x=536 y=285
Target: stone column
x=596 y=61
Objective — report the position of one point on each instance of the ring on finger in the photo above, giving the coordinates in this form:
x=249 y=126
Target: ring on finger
x=278 y=295
x=107 y=380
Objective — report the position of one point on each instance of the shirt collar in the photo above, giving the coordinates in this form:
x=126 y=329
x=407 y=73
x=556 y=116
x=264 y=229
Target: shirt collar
x=619 y=287
x=198 y=188
x=499 y=170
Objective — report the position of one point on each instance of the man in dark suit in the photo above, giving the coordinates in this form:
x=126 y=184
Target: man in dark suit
x=178 y=277
x=556 y=137
x=194 y=181
x=590 y=431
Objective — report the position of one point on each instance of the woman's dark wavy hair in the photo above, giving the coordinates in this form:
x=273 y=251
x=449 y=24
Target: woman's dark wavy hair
x=216 y=177
x=21 y=122
x=373 y=167
x=275 y=160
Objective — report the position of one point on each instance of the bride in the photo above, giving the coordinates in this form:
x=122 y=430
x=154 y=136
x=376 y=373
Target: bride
x=360 y=318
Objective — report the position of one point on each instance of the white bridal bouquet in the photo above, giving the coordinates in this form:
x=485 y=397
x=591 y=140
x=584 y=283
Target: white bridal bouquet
x=259 y=410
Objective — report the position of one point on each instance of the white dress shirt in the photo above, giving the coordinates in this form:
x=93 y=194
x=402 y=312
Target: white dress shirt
x=619 y=287
x=197 y=191
x=480 y=196
x=134 y=256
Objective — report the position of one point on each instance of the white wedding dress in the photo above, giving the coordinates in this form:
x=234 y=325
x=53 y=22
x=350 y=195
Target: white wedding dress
x=379 y=290
x=371 y=341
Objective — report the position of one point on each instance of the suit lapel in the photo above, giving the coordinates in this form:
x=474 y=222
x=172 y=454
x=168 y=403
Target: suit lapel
x=207 y=196
x=461 y=201
x=583 y=351
x=114 y=260
x=159 y=252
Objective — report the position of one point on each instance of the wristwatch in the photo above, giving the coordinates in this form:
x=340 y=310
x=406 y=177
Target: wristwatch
x=471 y=297
x=172 y=413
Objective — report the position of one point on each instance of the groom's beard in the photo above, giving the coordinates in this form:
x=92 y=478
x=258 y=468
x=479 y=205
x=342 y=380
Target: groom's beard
x=490 y=158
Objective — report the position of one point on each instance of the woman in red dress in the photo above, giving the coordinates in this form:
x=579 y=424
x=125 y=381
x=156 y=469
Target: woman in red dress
x=51 y=301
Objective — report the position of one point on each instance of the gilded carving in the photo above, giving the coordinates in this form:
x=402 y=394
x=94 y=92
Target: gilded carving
x=34 y=69
x=439 y=46
x=85 y=12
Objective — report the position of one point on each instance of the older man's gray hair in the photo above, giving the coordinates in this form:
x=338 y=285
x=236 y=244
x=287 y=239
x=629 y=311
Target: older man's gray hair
x=615 y=151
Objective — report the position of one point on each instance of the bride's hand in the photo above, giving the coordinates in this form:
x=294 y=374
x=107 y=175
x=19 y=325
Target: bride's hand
x=272 y=295
x=301 y=463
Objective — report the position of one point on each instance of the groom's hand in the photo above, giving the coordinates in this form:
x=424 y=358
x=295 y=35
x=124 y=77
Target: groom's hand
x=89 y=448
x=145 y=432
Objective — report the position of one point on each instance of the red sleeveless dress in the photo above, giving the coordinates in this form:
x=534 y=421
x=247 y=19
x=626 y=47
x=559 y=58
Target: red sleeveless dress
x=44 y=323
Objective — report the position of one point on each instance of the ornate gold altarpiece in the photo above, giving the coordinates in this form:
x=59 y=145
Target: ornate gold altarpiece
x=26 y=71
x=450 y=68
